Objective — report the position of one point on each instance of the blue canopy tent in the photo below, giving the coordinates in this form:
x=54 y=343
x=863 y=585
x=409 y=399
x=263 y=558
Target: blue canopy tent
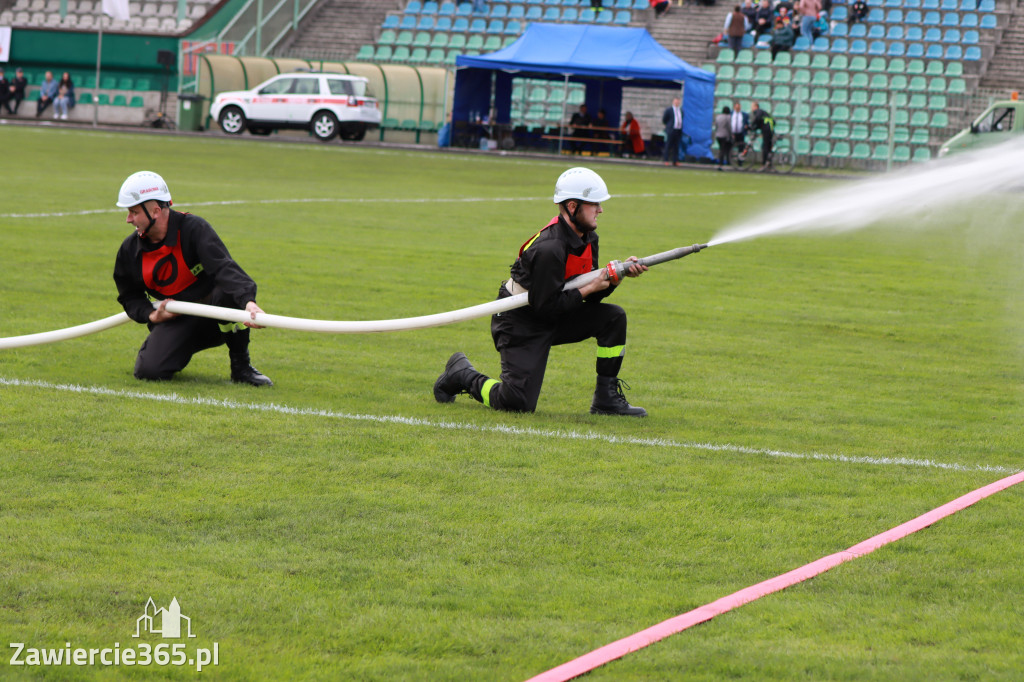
x=603 y=58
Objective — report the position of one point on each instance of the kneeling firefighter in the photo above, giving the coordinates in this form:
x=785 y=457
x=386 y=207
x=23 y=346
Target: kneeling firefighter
x=172 y=254
x=565 y=248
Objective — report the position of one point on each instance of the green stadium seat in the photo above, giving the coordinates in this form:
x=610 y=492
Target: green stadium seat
x=957 y=86
x=839 y=96
x=745 y=56
x=879 y=116
x=919 y=136
x=365 y=53
x=108 y=83
x=801 y=60
x=386 y=38
x=819 y=61
x=900 y=135
x=137 y=102
x=85 y=98
x=102 y=99
x=876 y=65
x=821 y=148
x=896 y=66
x=457 y=41
x=404 y=38
x=915 y=67
x=859 y=133
x=782 y=93
x=821 y=112
x=783 y=59
x=125 y=83
x=878 y=98
x=840 y=114
x=881 y=153
x=384 y=53
x=726 y=56
x=820 y=129
x=841 y=150
x=119 y=101
x=859 y=115
x=878 y=134
x=859 y=81
x=939 y=120
x=840 y=79
x=436 y=56
x=861 y=151
x=743 y=91
x=401 y=54
x=921 y=154
x=143 y=84
x=917 y=84
x=840 y=131
x=783 y=76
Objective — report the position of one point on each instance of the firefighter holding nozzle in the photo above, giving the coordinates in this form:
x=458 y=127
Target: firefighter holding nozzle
x=563 y=249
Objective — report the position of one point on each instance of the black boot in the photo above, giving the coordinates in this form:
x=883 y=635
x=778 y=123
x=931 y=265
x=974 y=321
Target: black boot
x=241 y=371
x=456 y=378
x=609 y=399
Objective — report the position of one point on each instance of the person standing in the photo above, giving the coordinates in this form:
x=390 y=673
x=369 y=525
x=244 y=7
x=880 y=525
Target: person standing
x=563 y=249
x=724 y=136
x=762 y=121
x=581 y=123
x=629 y=133
x=808 y=15
x=47 y=93
x=178 y=255
x=673 y=120
x=736 y=25
x=739 y=123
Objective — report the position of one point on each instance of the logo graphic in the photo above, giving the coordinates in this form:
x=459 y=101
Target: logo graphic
x=170 y=619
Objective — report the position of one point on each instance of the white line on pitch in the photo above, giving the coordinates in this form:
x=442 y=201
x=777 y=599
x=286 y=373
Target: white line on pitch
x=350 y=200
x=499 y=428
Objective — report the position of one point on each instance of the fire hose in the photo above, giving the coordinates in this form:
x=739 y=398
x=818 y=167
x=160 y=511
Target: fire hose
x=614 y=272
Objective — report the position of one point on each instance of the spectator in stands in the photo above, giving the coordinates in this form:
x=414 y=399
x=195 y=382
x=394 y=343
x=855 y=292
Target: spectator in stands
x=858 y=11
x=673 y=120
x=65 y=101
x=739 y=123
x=749 y=11
x=580 y=123
x=762 y=122
x=597 y=6
x=602 y=127
x=763 y=18
x=820 y=27
x=783 y=37
x=632 y=140
x=808 y=15
x=724 y=136
x=47 y=93
x=5 y=91
x=736 y=25
x=18 y=86
x=660 y=7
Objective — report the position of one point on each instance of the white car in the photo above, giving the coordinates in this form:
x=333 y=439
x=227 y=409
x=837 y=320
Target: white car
x=326 y=104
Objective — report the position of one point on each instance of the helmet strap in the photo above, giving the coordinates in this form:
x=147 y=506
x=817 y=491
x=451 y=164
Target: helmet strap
x=151 y=219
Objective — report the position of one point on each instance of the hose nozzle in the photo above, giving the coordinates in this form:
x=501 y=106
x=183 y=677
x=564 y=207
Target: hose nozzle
x=617 y=269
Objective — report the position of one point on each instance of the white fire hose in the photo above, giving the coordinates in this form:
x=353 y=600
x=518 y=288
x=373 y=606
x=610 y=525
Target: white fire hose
x=614 y=271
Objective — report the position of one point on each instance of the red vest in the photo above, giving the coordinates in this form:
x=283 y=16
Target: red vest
x=574 y=265
x=165 y=271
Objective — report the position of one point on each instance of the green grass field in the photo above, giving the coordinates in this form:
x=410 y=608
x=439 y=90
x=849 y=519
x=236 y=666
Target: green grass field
x=805 y=393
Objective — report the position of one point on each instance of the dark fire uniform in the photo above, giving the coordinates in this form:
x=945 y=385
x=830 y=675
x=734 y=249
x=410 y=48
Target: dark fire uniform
x=190 y=264
x=524 y=336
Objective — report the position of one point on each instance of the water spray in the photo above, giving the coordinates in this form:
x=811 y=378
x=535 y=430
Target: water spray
x=614 y=271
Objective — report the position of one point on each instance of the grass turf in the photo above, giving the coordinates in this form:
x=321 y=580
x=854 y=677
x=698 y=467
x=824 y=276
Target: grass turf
x=325 y=546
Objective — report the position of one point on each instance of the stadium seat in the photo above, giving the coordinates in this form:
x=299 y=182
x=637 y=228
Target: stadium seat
x=859 y=133
x=457 y=41
x=408 y=22
x=939 y=120
x=841 y=151
x=858 y=47
x=839 y=96
x=800 y=60
x=989 y=21
x=952 y=35
x=972 y=54
x=623 y=17
x=859 y=81
x=444 y=24
x=413 y=7
x=447 y=9
x=492 y=44
x=429 y=7
x=879 y=82
x=587 y=16
x=970 y=38
x=384 y=53
x=477 y=26
x=802 y=44
x=401 y=54
x=912 y=17
x=439 y=40
x=898 y=84
x=858 y=31
x=498 y=11
x=881 y=153
x=921 y=154
x=425 y=23
x=781 y=93
x=365 y=53
x=840 y=114
x=404 y=38
x=919 y=135
x=837 y=31
x=954 y=52
x=894 y=33
x=119 y=101
x=821 y=112
x=570 y=14
x=460 y=25
x=861 y=151
x=390 y=21
x=421 y=39
x=931 y=19
x=933 y=52
x=821 y=148
x=839 y=13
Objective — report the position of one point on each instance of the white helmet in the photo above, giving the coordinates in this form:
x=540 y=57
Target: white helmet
x=142 y=186
x=582 y=184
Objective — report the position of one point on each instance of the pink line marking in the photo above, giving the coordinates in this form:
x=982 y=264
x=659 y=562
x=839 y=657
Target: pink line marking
x=656 y=633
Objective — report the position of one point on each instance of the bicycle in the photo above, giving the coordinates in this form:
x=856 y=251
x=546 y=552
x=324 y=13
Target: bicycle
x=744 y=157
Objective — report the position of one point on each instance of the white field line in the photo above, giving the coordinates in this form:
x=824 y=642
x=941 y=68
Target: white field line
x=378 y=200
x=559 y=434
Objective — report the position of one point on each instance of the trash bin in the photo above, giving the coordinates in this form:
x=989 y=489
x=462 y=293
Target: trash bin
x=190 y=111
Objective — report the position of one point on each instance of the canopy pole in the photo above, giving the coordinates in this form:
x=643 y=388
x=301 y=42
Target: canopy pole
x=565 y=96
